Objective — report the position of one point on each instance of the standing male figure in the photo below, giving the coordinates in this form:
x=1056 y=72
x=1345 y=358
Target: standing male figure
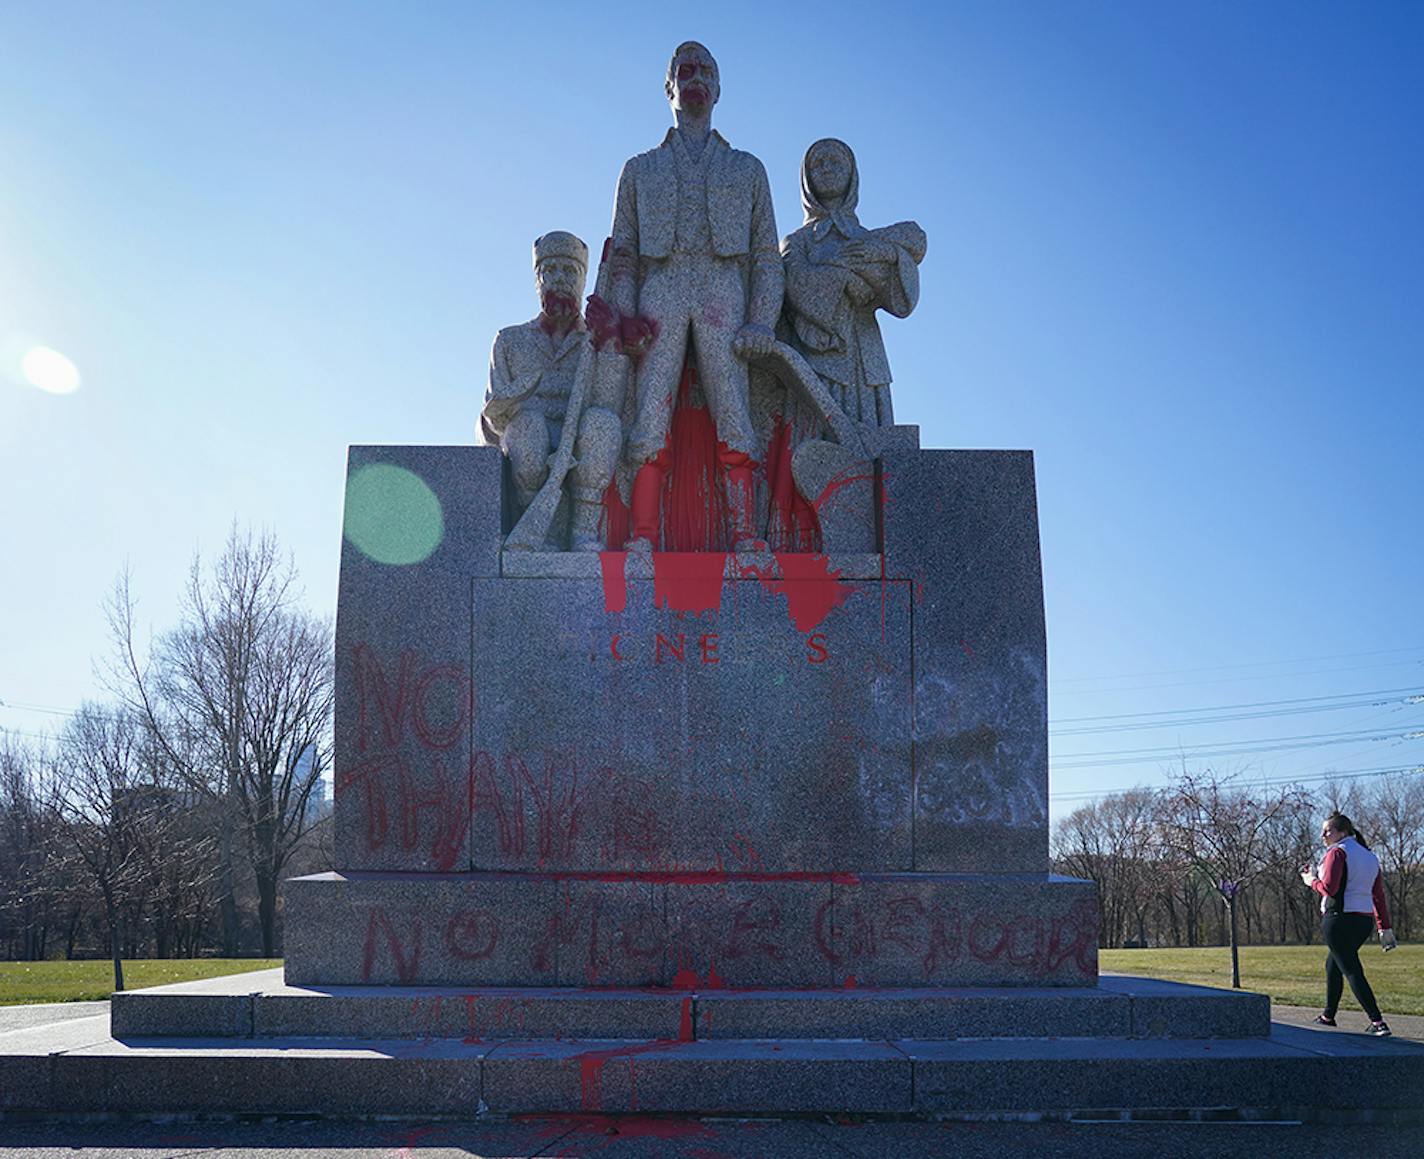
x=694 y=253
x=531 y=374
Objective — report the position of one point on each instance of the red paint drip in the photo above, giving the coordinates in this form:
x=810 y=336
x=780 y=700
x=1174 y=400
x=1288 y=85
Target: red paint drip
x=615 y=584
x=616 y=518
x=684 y=1028
x=850 y=982
x=686 y=979
x=591 y=1067
x=793 y=525
x=694 y=515
x=688 y=581
x=715 y=981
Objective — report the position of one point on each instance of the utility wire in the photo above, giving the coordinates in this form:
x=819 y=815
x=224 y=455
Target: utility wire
x=1247 y=664
x=1316 y=778
x=1184 y=718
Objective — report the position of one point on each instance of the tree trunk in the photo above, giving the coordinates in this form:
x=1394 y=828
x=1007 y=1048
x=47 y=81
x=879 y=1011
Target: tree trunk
x=1235 y=957
x=267 y=911
x=227 y=889
x=115 y=942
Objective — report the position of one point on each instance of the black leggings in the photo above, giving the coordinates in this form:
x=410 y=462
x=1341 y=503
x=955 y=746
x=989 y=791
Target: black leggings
x=1344 y=935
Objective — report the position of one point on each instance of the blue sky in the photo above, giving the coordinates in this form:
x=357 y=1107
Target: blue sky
x=1175 y=250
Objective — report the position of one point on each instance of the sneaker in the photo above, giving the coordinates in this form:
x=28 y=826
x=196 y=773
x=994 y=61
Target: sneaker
x=1325 y=1019
x=1380 y=1029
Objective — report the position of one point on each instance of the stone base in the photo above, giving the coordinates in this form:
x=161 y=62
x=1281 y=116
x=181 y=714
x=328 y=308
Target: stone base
x=376 y=1051
x=688 y=931
x=261 y=1006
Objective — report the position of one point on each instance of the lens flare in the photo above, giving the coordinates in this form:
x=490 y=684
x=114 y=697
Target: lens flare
x=49 y=370
x=392 y=515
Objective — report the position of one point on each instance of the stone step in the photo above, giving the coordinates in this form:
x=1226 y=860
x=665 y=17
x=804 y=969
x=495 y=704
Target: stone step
x=77 y=1068
x=261 y=1005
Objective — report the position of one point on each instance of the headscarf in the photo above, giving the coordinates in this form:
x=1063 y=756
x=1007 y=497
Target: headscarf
x=821 y=218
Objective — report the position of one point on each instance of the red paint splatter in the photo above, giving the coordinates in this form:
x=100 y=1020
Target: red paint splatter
x=615 y=585
x=842 y=479
x=688 y=581
x=811 y=588
x=684 y=1027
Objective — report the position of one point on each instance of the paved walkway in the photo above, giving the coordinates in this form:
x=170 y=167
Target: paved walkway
x=1409 y=1027
x=594 y=1138
x=24 y=1017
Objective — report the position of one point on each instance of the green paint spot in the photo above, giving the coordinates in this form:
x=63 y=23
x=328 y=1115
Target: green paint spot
x=392 y=515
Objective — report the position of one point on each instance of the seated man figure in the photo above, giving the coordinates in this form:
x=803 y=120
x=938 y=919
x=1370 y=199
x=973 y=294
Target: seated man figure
x=531 y=374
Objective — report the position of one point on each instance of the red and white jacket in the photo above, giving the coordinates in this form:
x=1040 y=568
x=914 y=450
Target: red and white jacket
x=1364 y=884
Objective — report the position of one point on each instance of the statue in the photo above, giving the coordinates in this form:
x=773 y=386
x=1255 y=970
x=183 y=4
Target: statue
x=838 y=273
x=532 y=373
x=693 y=253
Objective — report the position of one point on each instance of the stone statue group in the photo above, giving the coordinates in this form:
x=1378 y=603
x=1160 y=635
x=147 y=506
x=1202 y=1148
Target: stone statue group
x=781 y=338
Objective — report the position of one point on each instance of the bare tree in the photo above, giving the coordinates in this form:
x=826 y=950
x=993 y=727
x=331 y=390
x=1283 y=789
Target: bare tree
x=103 y=803
x=1224 y=830
x=1111 y=842
x=240 y=697
x=1392 y=809
x=32 y=902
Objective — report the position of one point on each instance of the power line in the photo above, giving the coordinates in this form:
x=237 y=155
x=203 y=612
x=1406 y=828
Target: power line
x=1246 y=664
x=1235 y=679
x=1230 y=707
x=1205 y=752
x=1314 y=778
x=1137 y=721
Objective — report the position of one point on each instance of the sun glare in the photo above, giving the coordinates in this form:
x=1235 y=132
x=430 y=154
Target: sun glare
x=49 y=370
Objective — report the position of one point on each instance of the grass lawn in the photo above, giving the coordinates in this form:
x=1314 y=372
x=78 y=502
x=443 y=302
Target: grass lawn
x=1293 y=975
x=25 y=982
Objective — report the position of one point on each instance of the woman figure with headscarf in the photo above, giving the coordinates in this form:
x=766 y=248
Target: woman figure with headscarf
x=838 y=273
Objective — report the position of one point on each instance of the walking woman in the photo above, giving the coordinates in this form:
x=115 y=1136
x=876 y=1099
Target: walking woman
x=1351 y=890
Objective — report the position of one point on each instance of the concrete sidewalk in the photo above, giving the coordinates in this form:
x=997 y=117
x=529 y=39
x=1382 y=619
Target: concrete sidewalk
x=591 y=1137
x=1407 y=1027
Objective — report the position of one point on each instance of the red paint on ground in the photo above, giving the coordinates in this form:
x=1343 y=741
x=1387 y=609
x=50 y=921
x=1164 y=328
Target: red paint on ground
x=615 y=584
x=688 y=581
x=691 y=877
x=849 y=983
x=684 y=1026
x=686 y=979
x=642 y=1127
x=715 y=981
